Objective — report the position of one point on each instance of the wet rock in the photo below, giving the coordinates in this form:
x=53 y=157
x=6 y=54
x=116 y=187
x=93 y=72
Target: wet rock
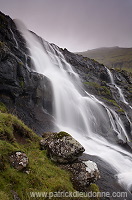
x=19 y=160
x=62 y=147
x=25 y=93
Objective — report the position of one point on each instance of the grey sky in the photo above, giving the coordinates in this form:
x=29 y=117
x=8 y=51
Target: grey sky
x=77 y=25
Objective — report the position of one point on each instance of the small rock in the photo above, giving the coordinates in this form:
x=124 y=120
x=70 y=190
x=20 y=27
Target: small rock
x=15 y=195
x=19 y=160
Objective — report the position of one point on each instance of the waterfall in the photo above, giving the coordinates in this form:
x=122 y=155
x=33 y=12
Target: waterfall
x=77 y=112
x=122 y=98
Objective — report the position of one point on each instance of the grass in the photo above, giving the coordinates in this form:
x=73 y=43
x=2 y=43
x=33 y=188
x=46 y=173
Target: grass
x=99 y=90
x=115 y=57
x=41 y=174
x=113 y=102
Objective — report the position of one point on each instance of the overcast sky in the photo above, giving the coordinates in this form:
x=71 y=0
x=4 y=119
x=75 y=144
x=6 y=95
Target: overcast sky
x=77 y=25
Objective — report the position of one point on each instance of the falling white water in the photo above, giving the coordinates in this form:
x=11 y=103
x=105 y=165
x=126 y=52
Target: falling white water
x=88 y=120
x=122 y=98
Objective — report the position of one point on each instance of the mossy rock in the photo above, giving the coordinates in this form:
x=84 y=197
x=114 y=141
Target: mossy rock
x=60 y=135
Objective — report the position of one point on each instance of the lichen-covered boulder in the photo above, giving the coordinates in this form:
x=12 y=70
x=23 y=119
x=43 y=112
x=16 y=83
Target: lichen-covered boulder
x=62 y=147
x=84 y=173
x=19 y=160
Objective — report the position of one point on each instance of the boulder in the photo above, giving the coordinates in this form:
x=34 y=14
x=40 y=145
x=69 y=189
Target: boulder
x=18 y=160
x=62 y=147
x=84 y=173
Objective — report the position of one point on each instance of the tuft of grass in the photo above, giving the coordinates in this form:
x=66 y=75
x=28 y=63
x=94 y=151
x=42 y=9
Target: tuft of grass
x=11 y=129
x=113 y=102
x=4 y=196
x=99 y=90
x=120 y=110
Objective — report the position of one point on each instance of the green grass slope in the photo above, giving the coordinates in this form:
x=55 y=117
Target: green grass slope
x=41 y=175
x=115 y=57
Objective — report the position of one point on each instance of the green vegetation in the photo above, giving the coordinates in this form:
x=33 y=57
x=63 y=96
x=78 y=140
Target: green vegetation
x=3 y=108
x=120 y=110
x=113 y=102
x=41 y=175
x=60 y=135
x=99 y=90
x=22 y=84
x=1 y=44
x=116 y=57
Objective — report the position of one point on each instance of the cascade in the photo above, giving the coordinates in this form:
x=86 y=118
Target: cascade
x=77 y=112
x=122 y=98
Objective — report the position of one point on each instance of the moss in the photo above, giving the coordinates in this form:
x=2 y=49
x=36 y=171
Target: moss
x=21 y=81
x=3 y=107
x=120 y=110
x=93 y=84
x=113 y=102
x=95 y=189
x=60 y=135
x=1 y=44
x=22 y=84
x=99 y=90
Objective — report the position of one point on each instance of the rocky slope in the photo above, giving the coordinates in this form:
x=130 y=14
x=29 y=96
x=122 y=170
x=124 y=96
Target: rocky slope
x=96 y=81
x=25 y=168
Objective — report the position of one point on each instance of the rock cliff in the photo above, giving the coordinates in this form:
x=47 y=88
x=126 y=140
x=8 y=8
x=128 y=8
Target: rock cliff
x=26 y=93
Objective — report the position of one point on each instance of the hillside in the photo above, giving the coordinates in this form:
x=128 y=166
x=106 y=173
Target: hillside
x=113 y=57
x=29 y=95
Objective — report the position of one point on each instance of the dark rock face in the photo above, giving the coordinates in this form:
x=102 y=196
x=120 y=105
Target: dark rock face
x=62 y=147
x=29 y=95
x=26 y=93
